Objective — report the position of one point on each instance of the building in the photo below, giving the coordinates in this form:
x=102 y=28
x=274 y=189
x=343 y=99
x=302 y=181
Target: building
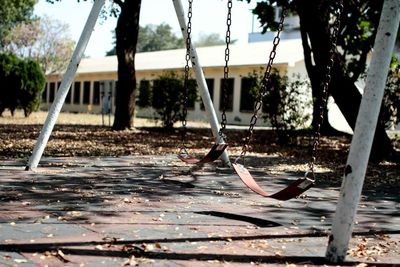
x=93 y=89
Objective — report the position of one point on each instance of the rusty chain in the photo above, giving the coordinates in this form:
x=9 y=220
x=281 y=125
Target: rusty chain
x=186 y=77
x=263 y=89
x=226 y=71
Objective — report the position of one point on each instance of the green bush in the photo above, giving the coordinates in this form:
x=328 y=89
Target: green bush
x=286 y=103
x=10 y=83
x=22 y=83
x=167 y=97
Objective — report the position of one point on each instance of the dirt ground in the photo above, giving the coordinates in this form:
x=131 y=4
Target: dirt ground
x=84 y=135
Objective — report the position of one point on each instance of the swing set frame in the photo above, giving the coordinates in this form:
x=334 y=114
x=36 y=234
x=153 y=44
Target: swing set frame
x=361 y=144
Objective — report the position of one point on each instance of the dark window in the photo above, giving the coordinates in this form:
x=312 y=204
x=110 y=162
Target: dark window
x=52 y=92
x=247 y=99
x=115 y=93
x=144 y=98
x=210 y=85
x=96 y=93
x=229 y=101
x=44 y=93
x=77 y=93
x=86 y=92
x=68 y=98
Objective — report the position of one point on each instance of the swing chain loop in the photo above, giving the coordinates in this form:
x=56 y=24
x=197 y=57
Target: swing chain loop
x=186 y=78
x=264 y=86
x=225 y=84
x=334 y=32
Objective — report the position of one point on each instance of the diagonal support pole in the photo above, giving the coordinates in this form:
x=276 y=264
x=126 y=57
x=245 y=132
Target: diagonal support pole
x=361 y=144
x=62 y=92
x=201 y=81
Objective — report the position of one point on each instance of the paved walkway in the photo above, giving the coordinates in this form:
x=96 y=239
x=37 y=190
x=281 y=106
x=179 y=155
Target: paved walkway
x=154 y=211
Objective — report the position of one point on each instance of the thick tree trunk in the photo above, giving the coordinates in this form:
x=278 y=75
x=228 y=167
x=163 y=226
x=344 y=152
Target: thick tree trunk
x=348 y=99
x=316 y=43
x=126 y=39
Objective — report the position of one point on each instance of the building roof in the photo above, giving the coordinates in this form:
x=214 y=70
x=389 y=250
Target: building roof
x=288 y=52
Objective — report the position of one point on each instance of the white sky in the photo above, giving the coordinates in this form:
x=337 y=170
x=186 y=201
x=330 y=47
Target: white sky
x=209 y=16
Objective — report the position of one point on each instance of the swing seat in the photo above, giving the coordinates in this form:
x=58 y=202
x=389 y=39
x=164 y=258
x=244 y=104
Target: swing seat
x=293 y=190
x=215 y=152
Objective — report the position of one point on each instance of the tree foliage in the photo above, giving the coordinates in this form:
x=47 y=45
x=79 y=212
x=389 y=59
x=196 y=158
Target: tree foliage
x=158 y=37
x=13 y=12
x=390 y=113
x=44 y=40
x=210 y=40
x=155 y=38
x=24 y=81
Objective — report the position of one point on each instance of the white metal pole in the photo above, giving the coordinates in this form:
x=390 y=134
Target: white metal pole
x=62 y=92
x=201 y=81
x=364 y=132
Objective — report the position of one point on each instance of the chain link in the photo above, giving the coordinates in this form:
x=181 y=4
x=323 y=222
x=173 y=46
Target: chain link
x=263 y=89
x=334 y=31
x=226 y=71
x=184 y=103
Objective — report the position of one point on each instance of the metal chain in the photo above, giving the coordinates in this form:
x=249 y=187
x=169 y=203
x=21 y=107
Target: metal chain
x=264 y=87
x=226 y=70
x=186 y=78
x=334 y=29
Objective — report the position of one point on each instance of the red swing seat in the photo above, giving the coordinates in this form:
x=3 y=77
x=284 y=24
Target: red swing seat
x=293 y=190
x=215 y=152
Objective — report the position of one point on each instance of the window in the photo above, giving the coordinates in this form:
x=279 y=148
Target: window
x=210 y=86
x=52 y=92
x=248 y=84
x=68 y=98
x=229 y=101
x=114 y=93
x=144 y=98
x=77 y=93
x=86 y=92
x=44 y=93
x=96 y=93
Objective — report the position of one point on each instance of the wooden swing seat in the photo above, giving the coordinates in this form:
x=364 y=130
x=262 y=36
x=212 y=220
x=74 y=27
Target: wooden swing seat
x=215 y=152
x=293 y=190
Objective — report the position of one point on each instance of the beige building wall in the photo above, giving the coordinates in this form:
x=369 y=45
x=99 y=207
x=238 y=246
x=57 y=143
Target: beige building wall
x=95 y=73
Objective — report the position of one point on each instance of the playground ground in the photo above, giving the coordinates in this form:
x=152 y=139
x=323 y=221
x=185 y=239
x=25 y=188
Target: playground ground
x=101 y=198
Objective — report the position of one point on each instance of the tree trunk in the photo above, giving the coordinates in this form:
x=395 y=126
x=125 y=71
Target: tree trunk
x=126 y=39
x=314 y=65
x=316 y=43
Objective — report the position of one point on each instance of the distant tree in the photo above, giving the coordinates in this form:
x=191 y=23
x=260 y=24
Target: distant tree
x=155 y=38
x=24 y=81
x=158 y=37
x=45 y=40
x=13 y=12
x=210 y=40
